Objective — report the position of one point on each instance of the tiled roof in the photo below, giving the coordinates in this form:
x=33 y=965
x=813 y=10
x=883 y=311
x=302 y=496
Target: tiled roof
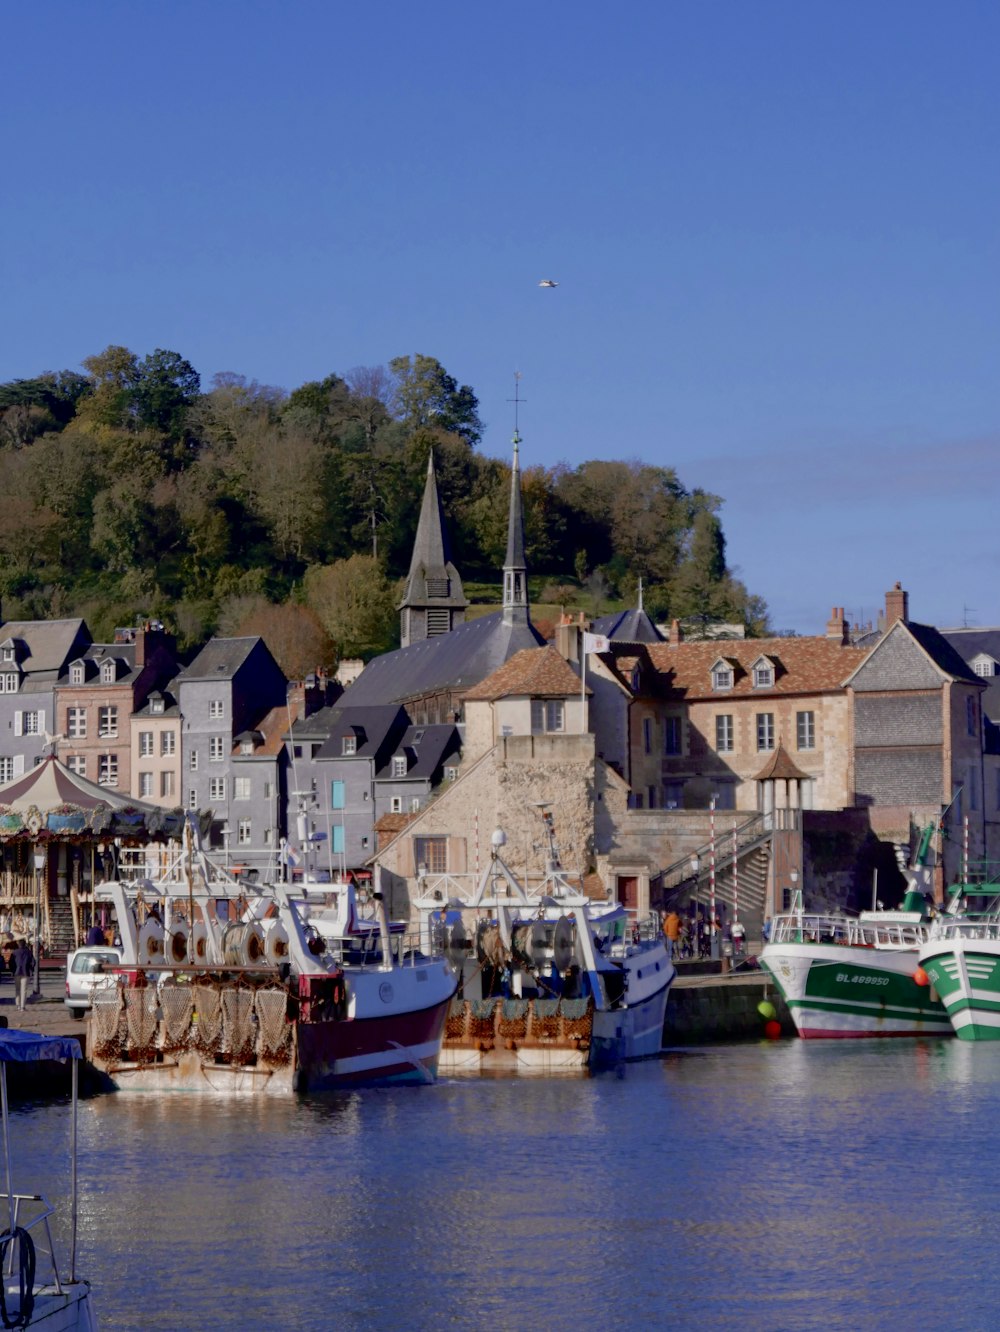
x=780 y=767
x=272 y=727
x=802 y=665
x=393 y=824
x=535 y=672
x=220 y=657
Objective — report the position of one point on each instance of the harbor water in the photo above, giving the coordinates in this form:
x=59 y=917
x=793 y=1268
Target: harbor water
x=788 y=1185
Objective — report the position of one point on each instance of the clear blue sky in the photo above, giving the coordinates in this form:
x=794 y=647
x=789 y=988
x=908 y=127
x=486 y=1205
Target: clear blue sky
x=774 y=225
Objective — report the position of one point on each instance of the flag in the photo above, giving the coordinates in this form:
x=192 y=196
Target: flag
x=596 y=643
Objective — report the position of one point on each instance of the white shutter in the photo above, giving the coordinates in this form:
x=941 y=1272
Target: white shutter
x=18 y=723
x=19 y=763
x=41 y=722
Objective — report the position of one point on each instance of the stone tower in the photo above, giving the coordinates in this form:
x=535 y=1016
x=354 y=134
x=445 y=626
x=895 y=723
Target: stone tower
x=434 y=602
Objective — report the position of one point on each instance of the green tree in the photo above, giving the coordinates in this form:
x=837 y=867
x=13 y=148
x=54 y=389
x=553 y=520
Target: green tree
x=426 y=396
x=166 y=387
x=355 y=603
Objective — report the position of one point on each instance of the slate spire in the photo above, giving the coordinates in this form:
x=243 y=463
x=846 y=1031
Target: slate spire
x=434 y=601
x=515 y=569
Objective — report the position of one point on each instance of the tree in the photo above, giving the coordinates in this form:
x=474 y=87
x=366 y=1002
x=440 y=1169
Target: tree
x=426 y=396
x=167 y=386
x=114 y=375
x=294 y=635
x=355 y=603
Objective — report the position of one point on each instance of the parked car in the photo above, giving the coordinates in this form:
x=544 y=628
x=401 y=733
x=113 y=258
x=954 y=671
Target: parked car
x=85 y=969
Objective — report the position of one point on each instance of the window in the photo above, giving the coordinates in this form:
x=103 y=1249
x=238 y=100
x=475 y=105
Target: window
x=193 y=760
x=217 y=788
x=765 y=730
x=431 y=853
x=763 y=675
x=722 y=676
x=673 y=795
x=145 y=784
x=156 y=704
x=215 y=708
x=337 y=842
x=108 y=672
x=970 y=715
x=647 y=735
x=267 y=837
x=8 y=654
x=77 y=763
x=9 y=682
x=547 y=715
x=651 y=796
x=243 y=829
x=168 y=743
x=984 y=666
x=724 y=733
x=107 y=770
x=805 y=730
x=192 y=799
x=145 y=744
x=241 y=788
x=76 y=673
x=76 y=723
x=396 y=805
x=267 y=790
x=414 y=804
x=672 y=735
x=336 y=795
x=216 y=750
x=399 y=767
x=350 y=745
x=451 y=774
x=7 y=769
x=29 y=723
x=166 y=783
x=107 y=722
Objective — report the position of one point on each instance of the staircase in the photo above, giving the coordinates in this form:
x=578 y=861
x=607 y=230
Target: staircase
x=61 y=935
x=740 y=875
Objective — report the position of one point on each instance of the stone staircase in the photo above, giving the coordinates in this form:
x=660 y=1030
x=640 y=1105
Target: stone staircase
x=61 y=935
x=740 y=876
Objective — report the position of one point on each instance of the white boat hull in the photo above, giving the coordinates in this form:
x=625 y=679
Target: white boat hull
x=68 y=1310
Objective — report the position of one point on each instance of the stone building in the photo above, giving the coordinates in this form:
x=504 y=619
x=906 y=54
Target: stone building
x=34 y=656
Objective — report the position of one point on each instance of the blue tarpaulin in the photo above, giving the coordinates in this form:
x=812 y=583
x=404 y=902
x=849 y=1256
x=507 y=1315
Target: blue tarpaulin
x=24 y=1047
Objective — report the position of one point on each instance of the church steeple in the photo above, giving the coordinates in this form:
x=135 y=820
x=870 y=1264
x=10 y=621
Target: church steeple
x=434 y=601
x=515 y=569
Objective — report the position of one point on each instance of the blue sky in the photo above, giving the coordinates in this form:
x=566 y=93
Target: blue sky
x=774 y=226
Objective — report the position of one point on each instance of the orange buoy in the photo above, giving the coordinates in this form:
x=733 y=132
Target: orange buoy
x=921 y=977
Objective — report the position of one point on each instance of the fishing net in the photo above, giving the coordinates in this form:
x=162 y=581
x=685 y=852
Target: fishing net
x=107 y=1022
x=237 y=1025
x=513 y=1023
x=275 y=1031
x=577 y=1019
x=177 y=1002
x=481 y=1013
x=140 y=1022
x=454 y=1027
x=208 y=1010
x=545 y=1019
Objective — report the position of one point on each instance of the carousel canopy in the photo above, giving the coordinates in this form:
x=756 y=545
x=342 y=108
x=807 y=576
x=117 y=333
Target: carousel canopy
x=52 y=799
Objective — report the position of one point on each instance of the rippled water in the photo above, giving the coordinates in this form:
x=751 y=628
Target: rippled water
x=793 y=1185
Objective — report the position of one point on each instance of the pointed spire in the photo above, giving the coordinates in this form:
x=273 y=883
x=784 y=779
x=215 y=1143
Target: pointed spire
x=640 y=594
x=515 y=569
x=434 y=601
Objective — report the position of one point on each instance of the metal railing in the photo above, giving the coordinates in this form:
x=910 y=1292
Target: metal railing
x=756 y=829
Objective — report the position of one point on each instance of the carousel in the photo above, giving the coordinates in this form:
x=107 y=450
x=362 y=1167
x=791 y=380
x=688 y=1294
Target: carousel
x=60 y=835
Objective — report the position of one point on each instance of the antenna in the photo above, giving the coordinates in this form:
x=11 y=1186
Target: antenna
x=517 y=400
x=966 y=612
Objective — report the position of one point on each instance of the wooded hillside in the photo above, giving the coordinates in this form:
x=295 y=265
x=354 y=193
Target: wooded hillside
x=129 y=491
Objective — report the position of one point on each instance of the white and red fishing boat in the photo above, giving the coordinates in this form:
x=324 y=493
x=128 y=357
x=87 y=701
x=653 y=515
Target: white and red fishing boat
x=225 y=987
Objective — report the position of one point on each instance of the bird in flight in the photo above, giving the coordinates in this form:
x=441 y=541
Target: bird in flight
x=547 y=282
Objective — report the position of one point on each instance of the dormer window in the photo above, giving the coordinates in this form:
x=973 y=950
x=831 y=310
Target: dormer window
x=246 y=747
x=349 y=745
x=107 y=672
x=76 y=673
x=399 y=766
x=156 y=705
x=8 y=653
x=10 y=682
x=763 y=674
x=722 y=675
x=984 y=666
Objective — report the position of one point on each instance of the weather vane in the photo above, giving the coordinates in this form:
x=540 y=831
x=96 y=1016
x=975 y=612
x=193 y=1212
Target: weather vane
x=517 y=400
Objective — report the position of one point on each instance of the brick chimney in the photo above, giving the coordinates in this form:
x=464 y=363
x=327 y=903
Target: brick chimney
x=897 y=606
x=837 y=626
x=675 y=632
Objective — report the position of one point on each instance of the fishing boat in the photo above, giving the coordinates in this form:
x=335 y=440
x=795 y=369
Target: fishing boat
x=850 y=976
x=551 y=981
x=961 y=958
x=33 y=1291
x=230 y=988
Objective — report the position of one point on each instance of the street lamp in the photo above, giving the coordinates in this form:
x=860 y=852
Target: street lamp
x=695 y=928
x=39 y=858
x=796 y=899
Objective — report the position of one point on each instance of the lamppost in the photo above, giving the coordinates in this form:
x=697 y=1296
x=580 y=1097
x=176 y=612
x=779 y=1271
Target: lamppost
x=39 y=858
x=796 y=899
x=695 y=924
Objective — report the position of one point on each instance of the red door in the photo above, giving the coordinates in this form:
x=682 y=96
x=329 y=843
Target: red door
x=628 y=891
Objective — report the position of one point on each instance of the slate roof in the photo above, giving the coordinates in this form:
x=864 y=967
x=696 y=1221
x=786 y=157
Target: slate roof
x=99 y=653
x=457 y=660
x=424 y=755
x=972 y=643
x=534 y=672
x=937 y=647
x=431 y=559
x=371 y=727
x=802 y=665
x=220 y=657
x=171 y=708
x=49 y=643
x=628 y=626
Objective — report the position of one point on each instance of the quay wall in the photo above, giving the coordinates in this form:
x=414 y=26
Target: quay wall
x=721 y=1009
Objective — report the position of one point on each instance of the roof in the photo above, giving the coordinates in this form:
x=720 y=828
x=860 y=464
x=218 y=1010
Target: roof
x=536 y=672
x=270 y=729
x=453 y=661
x=780 y=767
x=425 y=748
x=628 y=626
x=370 y=726
x=49 y=643
x=393 y=824
x=973 y=643
x=219 y=656
x=63 y=803
x=514 y=558
x=942 y=653
x=433 y=577
x=802 y=665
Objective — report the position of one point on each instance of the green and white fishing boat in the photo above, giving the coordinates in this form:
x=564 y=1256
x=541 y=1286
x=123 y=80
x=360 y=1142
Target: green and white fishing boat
x=962 y=959
x=850 y=976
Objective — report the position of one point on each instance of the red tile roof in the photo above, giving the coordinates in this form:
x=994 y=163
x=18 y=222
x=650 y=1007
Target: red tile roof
x=535 y=672
x=802 y=665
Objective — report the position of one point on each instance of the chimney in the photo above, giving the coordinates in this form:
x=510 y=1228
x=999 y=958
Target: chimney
x=568 y=639
x=897 y=606
x=837 y=627
x=675 y=633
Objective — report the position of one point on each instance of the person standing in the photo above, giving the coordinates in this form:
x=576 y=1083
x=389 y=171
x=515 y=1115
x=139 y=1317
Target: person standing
x=739 y=934
x=24 y=969
x=672 y=930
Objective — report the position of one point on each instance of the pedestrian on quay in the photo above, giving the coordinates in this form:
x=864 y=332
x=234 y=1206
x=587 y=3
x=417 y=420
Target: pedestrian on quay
x=672 y=930
x=739 y=935
x=24 y=969
x=765 y=930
